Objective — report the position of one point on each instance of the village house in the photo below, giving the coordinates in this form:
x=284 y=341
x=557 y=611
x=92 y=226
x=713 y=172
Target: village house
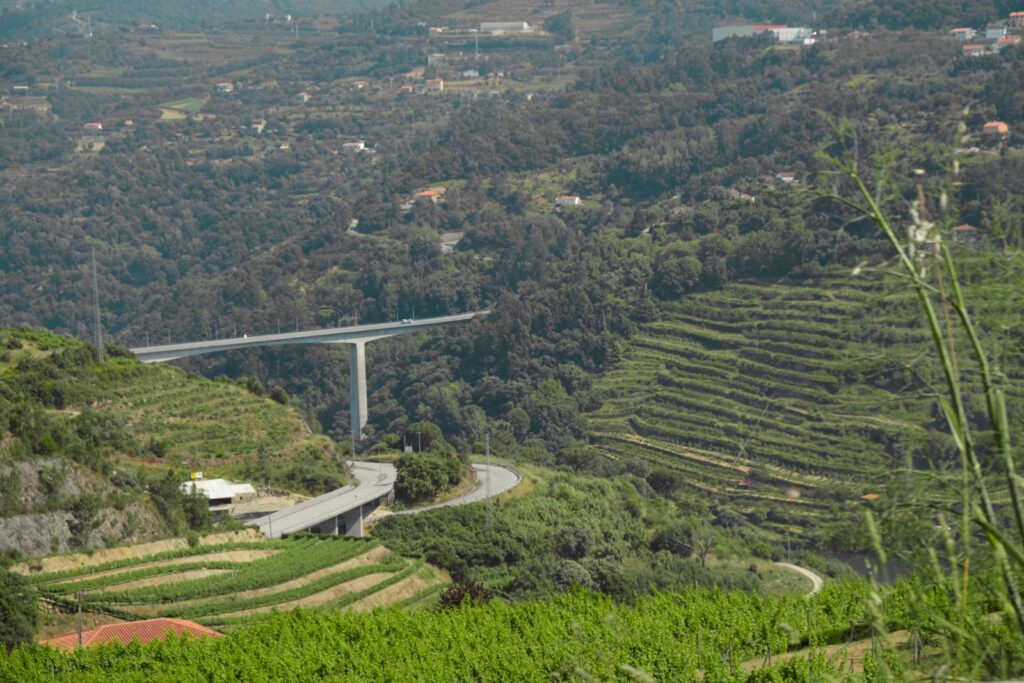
x=435 y=85
x=963 y=34
x=225 y=87
x=785 y=177
x=357 y=146
x=303 y=97
x=1005 y=42
x=965 y=234
x=995 y=32
x=995 y=129
x=568 y=200
x=499 y=27
x=257 y=126
x=1017 y=19
x=93 y=126
x=973 y=50
x=431 y=196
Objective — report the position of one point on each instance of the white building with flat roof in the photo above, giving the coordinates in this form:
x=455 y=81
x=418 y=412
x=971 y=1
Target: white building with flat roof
x=221 y=492
x=504 y=27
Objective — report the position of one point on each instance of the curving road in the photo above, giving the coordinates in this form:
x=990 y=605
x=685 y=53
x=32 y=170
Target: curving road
x=375 y=482
x=502 y=478
x=816 y=581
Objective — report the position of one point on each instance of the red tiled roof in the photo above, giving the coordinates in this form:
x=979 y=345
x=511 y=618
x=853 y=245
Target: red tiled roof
x=965 y=227
x=870 y=496
x=429 y=193
x=143 y=631
x=974 y=46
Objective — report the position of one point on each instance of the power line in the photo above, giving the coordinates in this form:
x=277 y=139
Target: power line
x=96 y=306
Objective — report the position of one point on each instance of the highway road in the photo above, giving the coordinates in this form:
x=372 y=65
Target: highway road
x=374 y=480
x=502 y=479
x=333 y=335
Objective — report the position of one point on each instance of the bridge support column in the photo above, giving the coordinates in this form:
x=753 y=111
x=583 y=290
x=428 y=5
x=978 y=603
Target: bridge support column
x=357 y=387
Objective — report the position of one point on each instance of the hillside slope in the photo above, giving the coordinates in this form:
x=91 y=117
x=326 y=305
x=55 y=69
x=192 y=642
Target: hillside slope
x=92 y=454
x=793 y=399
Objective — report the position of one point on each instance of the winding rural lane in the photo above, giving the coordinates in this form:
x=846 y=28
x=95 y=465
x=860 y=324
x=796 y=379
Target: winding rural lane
x=816 y=581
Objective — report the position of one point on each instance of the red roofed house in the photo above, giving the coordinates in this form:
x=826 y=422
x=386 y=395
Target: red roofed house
x=994 y=128
x=93 y=126
x=973 y=50
x=965 y=234
x=1017 y=19
x=435 y=84
x=961 y=33
x=1006 y=41
x=144 y=631
x=429 y=196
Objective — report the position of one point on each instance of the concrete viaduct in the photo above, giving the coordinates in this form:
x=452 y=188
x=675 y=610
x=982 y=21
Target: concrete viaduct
x=356 y=336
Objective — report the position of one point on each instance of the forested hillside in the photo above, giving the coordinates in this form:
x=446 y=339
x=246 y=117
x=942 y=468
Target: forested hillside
x=93 y=455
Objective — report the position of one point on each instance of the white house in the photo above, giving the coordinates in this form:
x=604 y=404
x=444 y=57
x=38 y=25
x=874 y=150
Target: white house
x=568 y=200
x=220 y=492
x=504 y=27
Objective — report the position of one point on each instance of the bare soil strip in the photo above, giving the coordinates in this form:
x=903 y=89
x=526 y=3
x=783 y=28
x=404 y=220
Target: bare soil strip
x=318 y=599
x=163 y=578
x=240 y=556
x=854 y=653
x=98 y=557
x=404 y=589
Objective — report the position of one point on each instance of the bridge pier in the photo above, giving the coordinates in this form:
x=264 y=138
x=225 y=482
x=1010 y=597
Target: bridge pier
x=357 y=387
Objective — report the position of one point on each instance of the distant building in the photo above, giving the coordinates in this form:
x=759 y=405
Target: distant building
x=431 y=196
x=966 y=234
x=504 y=27
x=225 y=87
x=220 y=492
x=20 y=89
x=995 y=129
x=870 y=497
x=973 y=50
x=790 y=35
x=128 y=123
x=785 y=177
x=1005 y=42
x=963 y=34
x=435 y=29
x=1017 y=19
x=258 y=125
x=361 y=84
x=357 y=146
x=303 y=97
x=994 y=32
x=435 y=85
x=93 y=126
x=144 y=631
x=470 y=73
x=568 y=200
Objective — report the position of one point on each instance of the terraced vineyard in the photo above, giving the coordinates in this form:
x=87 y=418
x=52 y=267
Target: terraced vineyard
x=223 y=585
x=191 y=416
x=803 y=394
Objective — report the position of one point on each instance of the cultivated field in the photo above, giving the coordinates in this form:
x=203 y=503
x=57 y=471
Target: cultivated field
x=226 y=584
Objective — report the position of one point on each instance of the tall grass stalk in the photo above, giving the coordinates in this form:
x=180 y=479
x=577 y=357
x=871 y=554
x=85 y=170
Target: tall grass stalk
x=1007 y=544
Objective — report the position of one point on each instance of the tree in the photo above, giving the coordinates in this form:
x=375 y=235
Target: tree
x=19 y=610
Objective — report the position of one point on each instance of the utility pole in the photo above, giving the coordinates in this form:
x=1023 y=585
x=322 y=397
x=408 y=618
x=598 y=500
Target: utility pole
x=96 y=306
x=490 y=508
x=81 y=596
